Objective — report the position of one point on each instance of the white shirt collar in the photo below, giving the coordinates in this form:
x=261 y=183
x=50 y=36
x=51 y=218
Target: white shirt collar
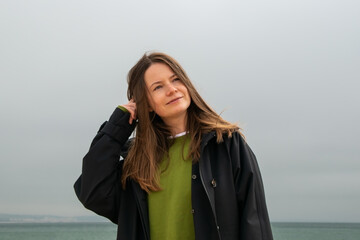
x=179 y=135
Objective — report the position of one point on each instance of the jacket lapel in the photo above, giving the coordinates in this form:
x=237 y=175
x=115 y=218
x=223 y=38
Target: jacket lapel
x=206 y=173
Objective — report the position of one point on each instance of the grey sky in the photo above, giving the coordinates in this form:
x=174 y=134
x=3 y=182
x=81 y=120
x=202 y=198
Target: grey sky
x=287 y=71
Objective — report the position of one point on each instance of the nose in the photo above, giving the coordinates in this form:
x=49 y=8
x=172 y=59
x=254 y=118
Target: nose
x=171 y=90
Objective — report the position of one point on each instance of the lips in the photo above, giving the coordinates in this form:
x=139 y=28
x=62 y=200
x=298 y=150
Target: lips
x=173 y=100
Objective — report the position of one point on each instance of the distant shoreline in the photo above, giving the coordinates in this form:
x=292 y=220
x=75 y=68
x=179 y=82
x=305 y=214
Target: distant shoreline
x=28 y=218
x=18 y=218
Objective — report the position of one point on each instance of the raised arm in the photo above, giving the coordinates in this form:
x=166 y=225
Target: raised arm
x=99 y=188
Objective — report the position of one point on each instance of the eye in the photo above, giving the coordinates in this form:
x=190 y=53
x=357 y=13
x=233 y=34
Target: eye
x=157 y=87
x=176 y=79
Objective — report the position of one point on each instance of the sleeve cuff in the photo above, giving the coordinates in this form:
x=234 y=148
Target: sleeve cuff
x=123 y=108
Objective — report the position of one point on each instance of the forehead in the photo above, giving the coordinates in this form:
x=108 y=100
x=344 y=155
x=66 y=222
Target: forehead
x=157 y=72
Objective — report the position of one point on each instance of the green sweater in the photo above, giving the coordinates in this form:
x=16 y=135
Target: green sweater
x=170 y=211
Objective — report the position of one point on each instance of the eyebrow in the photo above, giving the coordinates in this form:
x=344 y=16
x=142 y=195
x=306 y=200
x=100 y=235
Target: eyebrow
x=157 y=82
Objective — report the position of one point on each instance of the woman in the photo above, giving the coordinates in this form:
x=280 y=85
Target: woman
x=187 y=173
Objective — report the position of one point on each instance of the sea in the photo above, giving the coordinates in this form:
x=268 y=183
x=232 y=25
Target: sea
x=107 y=231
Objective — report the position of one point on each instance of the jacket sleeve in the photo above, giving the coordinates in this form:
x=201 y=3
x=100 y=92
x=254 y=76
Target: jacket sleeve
x=98 y=187
x=254 y=218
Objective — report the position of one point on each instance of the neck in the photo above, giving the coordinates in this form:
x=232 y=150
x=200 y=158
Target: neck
x=177 y=125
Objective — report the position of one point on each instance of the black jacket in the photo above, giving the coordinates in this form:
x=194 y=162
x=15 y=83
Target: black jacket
x=227 y=192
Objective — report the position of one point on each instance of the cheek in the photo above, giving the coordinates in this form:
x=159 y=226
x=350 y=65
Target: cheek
x=186 y=91
x=154 y=102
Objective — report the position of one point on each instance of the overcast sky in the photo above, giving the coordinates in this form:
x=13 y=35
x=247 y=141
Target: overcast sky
x=287 y=71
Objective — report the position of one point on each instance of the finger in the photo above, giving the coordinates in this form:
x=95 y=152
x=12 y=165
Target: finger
x=132 y=113
x=131 y=116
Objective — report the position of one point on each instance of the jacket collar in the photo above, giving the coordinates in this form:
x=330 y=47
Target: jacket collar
x=206 y=137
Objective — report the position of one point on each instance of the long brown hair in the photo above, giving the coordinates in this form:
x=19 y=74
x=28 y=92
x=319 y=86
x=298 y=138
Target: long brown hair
x=151 y=142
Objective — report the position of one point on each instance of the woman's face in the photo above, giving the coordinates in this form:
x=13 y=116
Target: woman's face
x=167 y=94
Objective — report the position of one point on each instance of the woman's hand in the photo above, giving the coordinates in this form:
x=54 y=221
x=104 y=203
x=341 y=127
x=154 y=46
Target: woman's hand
x=131 y=107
